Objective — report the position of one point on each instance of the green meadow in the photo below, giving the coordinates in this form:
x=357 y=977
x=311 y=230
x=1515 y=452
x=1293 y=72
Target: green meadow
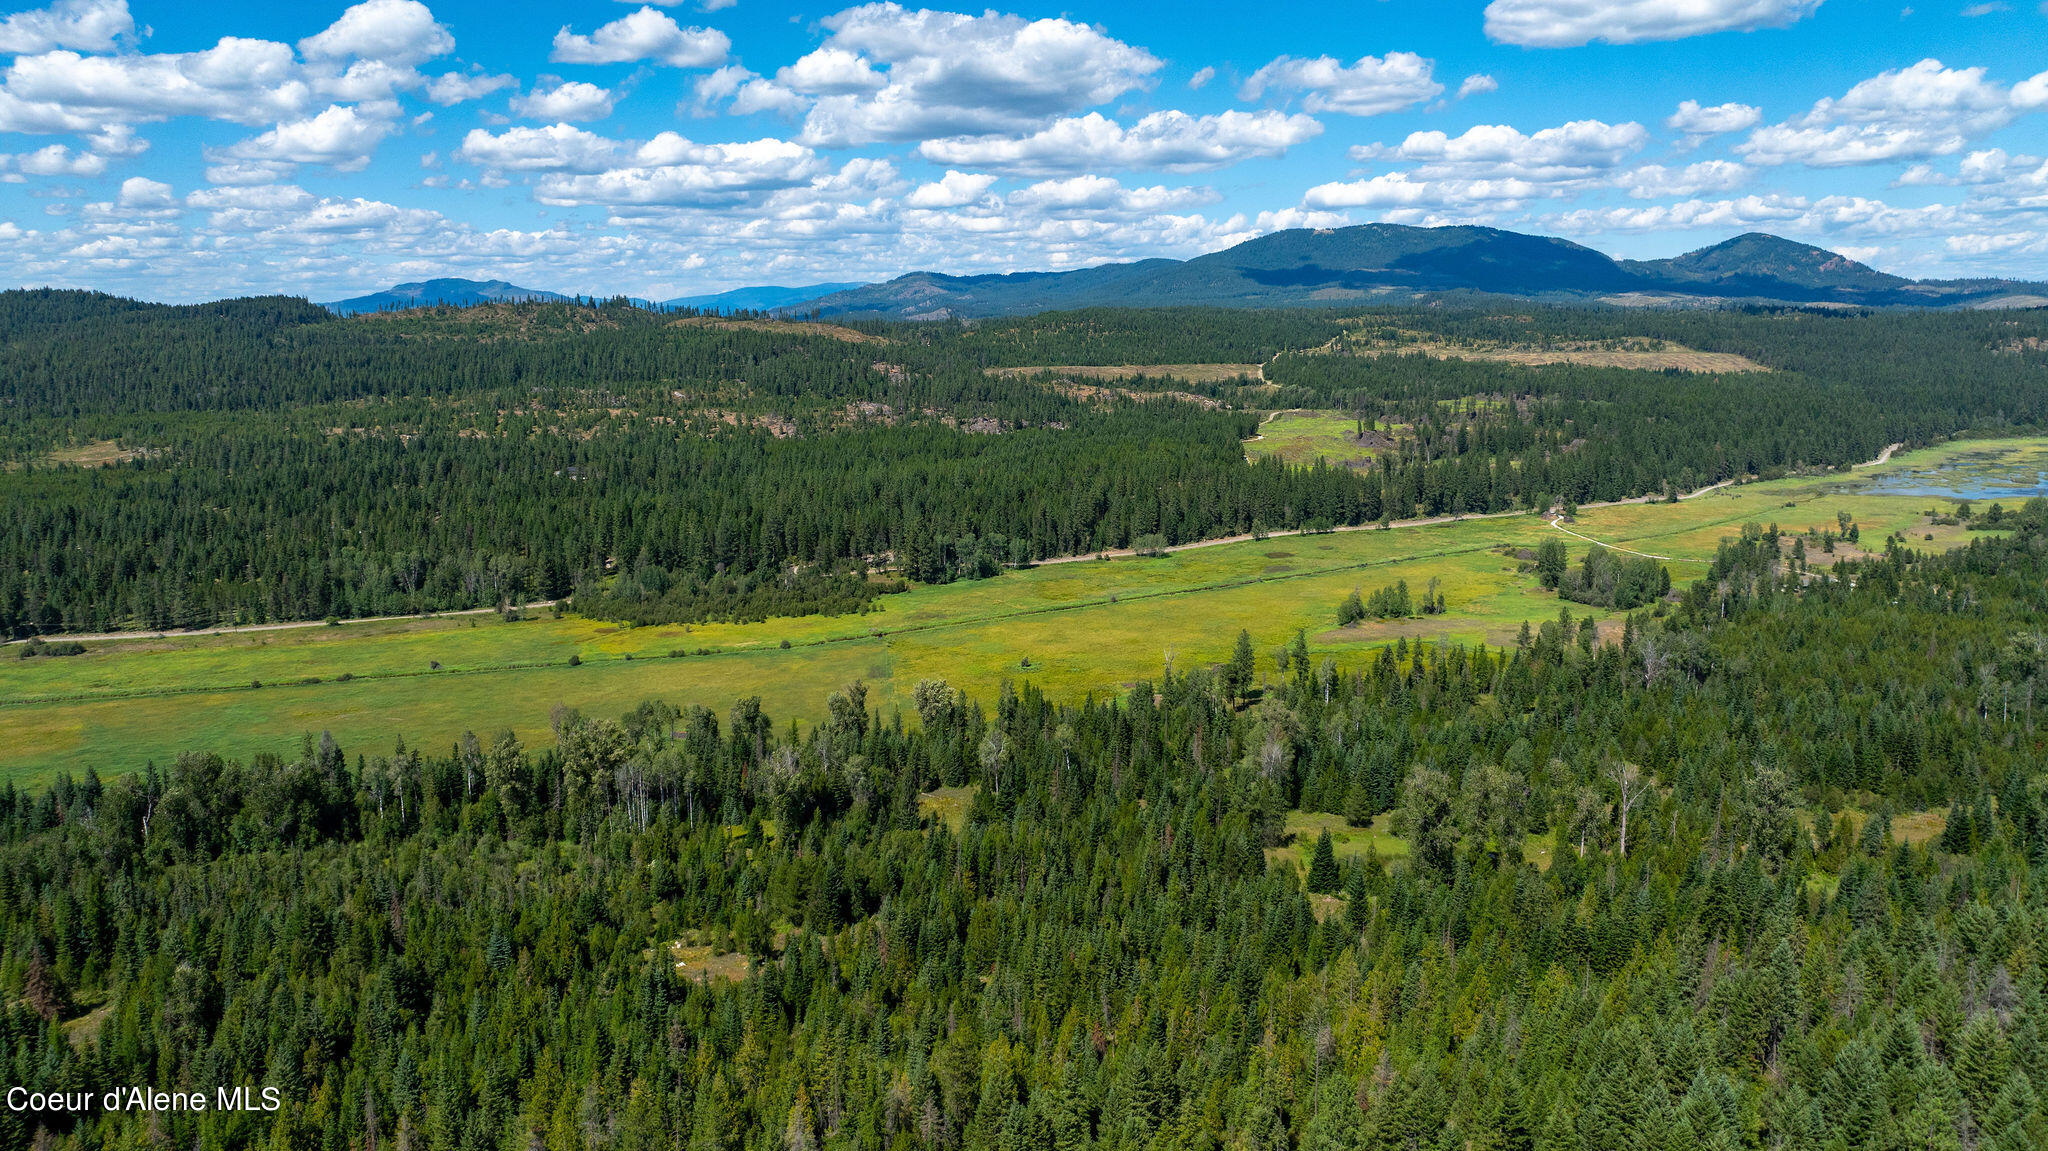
x=1093 y=626
x=1301 y=436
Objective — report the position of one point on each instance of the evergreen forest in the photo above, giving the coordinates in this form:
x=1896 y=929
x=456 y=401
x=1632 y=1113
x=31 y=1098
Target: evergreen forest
x=258 y=460
x=1659 y=891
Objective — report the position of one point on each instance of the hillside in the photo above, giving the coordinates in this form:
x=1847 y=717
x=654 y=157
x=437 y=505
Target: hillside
x=1760 y=263
x=1395 y=263
x=761 y=298
x=425 y=293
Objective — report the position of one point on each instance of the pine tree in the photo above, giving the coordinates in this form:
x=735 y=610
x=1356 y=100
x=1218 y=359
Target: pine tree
x=43 y=989
x=1237 y=674
x=1323 y=876
x=1982 y=1055
x=1511 y=1128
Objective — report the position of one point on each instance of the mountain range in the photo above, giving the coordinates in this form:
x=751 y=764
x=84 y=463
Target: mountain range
x=469 y=293
x=1394 y=263
x=762 y=299
x=429 y=293
x=1390 y=263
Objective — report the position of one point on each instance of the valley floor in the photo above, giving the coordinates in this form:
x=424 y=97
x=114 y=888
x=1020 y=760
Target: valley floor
x=1070 y=628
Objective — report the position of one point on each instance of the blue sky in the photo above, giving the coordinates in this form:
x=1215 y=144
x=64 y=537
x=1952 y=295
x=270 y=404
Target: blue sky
x=183 y=151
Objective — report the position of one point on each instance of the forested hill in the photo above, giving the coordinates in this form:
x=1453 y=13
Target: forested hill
x=681 y=929
x=1396 y=262
x=264 y=460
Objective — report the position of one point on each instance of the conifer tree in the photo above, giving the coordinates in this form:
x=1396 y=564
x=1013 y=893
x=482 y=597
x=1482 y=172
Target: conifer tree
x=1323 y=876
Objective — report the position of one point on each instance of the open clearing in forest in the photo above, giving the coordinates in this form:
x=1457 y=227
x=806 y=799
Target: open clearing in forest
x=948 y=804
x=1640 y=355
x=1681 y=360
x=1346 y=842
x=1302 y=436
x=97 y=454
x=1071 y=629
x=1191 y=373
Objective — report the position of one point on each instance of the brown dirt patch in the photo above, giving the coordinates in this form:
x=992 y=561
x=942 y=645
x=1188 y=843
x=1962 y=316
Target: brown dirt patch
x=1193 y=373
x=707 y=966
x=97 y=454
x=1431 y=628
x=787 y=327
x=1596 y=354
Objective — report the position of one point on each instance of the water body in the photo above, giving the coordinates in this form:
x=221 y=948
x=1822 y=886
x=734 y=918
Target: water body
x=1966 y=479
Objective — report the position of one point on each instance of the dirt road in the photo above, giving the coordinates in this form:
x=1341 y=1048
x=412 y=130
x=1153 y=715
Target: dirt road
x=107 y=637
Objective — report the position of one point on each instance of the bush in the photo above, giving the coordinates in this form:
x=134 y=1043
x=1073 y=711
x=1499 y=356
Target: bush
x=1351 y=610
x=37 y=648
x=575 y=661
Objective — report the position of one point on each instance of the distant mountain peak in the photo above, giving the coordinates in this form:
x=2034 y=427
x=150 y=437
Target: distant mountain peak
x=1761 y=256
x=451 y=290
x=766 y=297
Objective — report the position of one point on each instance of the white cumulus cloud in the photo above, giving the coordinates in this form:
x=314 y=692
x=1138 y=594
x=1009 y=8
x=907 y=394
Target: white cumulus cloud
x=1569 y=152
x=340 y=137
x=246 y=81
x=90 y=25
x=573 y=100
x=1906 y=113
x=1370 y=86
x=644 y=35
x=1404 y=190
x=1099 y=196
x=1655 y=181
x=557 y=148
x=1699 y=123
x=1172 y=140
x=953 y=190
x=402 y=32
x=1570 y=23
x=673 y=170
x=456 y=87
x=946 y=74
x=58 y=160
x=142 y=192
x=1477 y=83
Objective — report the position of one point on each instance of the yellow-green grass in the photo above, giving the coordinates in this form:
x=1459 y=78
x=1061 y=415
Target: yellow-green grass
x=948 y=804
x=1641 y=359
x=1815 y=501
x=1346 y=841
x=703 y=962
x=1302 y=436
x=1085 y=627
x=95 y=454
x=1092 y=626
x=1917 y=828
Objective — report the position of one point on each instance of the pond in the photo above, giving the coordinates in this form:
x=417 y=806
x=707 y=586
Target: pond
x=1990 y=475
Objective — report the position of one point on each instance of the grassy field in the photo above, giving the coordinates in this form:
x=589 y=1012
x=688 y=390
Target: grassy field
x=1301 y=436
x=1346 y=841
x=1070 y=628
x=948 y=804
x=1641 y=355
